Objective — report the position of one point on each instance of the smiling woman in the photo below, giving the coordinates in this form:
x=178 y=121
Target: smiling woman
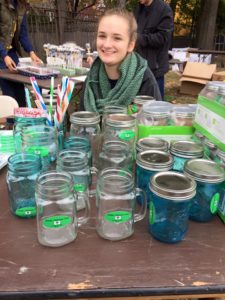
x=118 y=74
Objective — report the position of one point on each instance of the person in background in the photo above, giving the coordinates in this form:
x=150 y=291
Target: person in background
x=118 y=74
x=155 y=28
x=13 y=35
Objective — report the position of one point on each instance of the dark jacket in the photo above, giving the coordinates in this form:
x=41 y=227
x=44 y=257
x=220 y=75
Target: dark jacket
x=155 y=27
x=149 y=87
x=11 y=17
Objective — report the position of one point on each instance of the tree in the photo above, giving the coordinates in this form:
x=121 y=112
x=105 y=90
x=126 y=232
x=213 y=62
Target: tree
x=207 y=24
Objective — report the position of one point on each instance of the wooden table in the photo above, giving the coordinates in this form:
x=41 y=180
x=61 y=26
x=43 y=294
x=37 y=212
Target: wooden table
x=91 y=267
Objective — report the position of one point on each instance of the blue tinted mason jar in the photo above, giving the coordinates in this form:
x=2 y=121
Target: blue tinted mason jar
x=79 y=143
x=21 y=122
x=41 y=140
x=148 y=163
x=76 y=164
x=172 y=194
x=209 y=177
x=183 y=151
x=152 y=143
x=23 y=169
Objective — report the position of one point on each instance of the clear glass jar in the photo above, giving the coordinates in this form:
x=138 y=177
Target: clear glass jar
x=148 y=163
x=221 y=95
x=85 y=123
x=210 y=149
x=152 y=143
x=21 y=122
x=183 y=151
x=79 y=143
x=210 y=91
x=121 y=127
x=138 y=102
x=154 y=115
x=115 y=154
x=41 y=140
x=57 y=221
x=23 y=170
x=76 y=163
x=209 y=177
x=172 y=194
x=116 y=202
x=182 y=115
x=112 y=109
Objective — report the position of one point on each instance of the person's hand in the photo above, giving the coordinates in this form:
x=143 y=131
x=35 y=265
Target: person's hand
x=35 y=58
x=10 y=64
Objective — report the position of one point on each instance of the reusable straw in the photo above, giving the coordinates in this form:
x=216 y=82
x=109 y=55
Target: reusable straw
x=51 y=96
x=28 y=98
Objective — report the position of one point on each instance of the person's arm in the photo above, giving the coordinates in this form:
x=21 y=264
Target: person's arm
x=25 y=41
x=161 y=35
x=9 y=62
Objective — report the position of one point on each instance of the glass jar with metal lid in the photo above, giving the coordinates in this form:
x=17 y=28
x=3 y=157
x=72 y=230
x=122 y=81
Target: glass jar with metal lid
x=154 y=115
x=183 y=151
x=172 y=194
x=121 y=127
x=182 y=115
x=86 y=123
x=112 y=109
x=209 y=177
x=210 y=91
x=152 y=143
x=138 y=102
x=210 y=149
x=41 y=140
x=148 y=163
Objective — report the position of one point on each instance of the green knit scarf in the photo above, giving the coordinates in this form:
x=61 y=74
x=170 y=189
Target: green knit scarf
x=98 y=92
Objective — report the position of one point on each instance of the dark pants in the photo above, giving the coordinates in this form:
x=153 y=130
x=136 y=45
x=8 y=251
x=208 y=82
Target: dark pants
x=12 y=88
x=160 y=81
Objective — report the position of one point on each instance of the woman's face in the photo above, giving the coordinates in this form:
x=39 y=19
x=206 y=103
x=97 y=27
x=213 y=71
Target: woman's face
x=113 y=40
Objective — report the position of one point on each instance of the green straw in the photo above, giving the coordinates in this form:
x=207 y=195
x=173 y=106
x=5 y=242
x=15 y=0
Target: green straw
x=27 y=94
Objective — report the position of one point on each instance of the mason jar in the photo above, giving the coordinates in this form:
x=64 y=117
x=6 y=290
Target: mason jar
x=209 y=177
x=85 y=123
x=148 y=163
x=57 y=221
x=121 y=127
x=41 y=140
x=138 y=102
x=183 y=151
x=210 y=149
x=115 y=154
x=152 y=143
x=172 y=194
x=182 y=115
x=112 y=109
x=23 y=170
x=154 y=116
x=19 y=123
x=210 y=91
x=76 y=163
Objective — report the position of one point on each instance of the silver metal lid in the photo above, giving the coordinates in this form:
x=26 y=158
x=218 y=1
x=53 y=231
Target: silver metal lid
x=155 y=160
x=186 y=149
x=152 y=143
x=173 y=186
x=143 y=99
x=85 y=118
x=120 y=120
x=204 y=170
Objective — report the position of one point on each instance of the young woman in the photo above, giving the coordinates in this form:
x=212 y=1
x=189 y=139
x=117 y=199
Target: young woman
x=118 y=74
x=13 y=34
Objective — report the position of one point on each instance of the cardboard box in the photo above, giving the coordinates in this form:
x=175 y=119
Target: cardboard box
x=218 y=76
x=195 y=77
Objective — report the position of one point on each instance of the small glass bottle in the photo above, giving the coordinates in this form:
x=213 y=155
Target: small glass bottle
x=148 y=163
x=85 y=123
x=209 y=177
x=19 y=123
x=23 y=170
x=151 y=143
x=183 y=151
x=76 y=163
x=121 y=127
x=57 y=221
x=41 y=140
x=115 y=154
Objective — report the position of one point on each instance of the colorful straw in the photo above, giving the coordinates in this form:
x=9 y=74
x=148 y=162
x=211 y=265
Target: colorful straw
x=27 y=94
x=51 y=95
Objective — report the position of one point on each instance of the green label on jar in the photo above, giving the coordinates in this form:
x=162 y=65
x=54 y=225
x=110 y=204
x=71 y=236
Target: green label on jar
x=42 y=151
x=214 y=203
x=134 y=108
x=79 y=187
x=118 y=216
x=57 y=222
x=126 y=135
x=151 y=213
x=26 y=212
